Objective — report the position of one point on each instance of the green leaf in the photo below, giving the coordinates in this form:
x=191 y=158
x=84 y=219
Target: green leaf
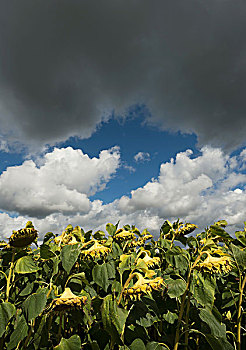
x=99 y=235
x=170 y=317
x=46 y=252
x=111 y=229
x=26 y=265
x=34 y=304
x=116 y=286
x=126 y=262
x=113 y=317
x=103 y=273
x=218 y=231
x=137 y=344
x=69 y=256
x=141 y=265
x=143 y=313
x=241 y=237
x=94 y=345
x=73 y=343
x=181 y=262
x=217 y=343
x=27 y=290
x=155 y=346
x=239 y=255
x=147 y=320
x=7 y=310
x=116 y=250
x=166 y=227
x=203 y=288
x=19 y=333
x=176 y=288
x=78 y=278
x=217 y=329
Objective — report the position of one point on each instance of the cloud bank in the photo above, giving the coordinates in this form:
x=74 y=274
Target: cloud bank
x=61 y=181
x=200 y=190
x=66 y=64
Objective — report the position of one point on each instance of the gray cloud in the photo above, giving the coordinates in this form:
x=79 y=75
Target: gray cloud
x=66 y=64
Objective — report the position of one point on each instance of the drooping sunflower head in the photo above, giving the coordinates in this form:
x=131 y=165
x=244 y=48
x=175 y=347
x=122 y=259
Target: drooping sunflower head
x=97 y=250
x=143 y=286
x=122 y=235
x=150 y=262
x=66 y=302
x=212 y=264
x=185 y=229
x=64 y=239
x=70 y=236
x=23 y=237
x=3 y=244
x=141 y=241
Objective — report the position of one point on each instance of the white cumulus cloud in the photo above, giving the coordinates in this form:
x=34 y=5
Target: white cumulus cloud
x=201 y=190
x=61 y=181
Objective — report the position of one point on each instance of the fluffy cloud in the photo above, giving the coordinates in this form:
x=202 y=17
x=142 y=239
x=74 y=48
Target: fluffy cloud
x=142 y=157
x=61 y=181
x=200 y=190
x=65 y=65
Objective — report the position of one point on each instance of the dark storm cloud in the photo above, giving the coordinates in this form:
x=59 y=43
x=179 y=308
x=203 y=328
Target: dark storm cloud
x=65 y=64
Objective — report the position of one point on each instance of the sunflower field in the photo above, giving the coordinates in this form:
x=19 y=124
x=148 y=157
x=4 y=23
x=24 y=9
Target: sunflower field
x=123 y=289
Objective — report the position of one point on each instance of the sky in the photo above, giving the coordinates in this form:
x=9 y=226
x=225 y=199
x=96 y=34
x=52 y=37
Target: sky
x=122 y=110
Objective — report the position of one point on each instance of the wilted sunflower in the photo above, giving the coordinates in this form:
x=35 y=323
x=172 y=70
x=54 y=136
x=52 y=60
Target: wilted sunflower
x=146 y=237
x=215 y=264
x=3 y=244
x=122 y=235
x=23 y=237
x=143 y=286
x=150 y=262
x=132 y=244
x=65 y=239
x=97 y=250
x=141 y=241
x=185 y=229
x=66 y=302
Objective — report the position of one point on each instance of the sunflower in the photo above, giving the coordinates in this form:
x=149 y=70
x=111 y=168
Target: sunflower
x=213 y=264
x=66 y=302
x=143 y=286
x=146 y=237
x=97 y=250
x=185 y=229
x=65 y=239
x=3 y=244
x=122 y=235
x=23 y=237
x=150 y=262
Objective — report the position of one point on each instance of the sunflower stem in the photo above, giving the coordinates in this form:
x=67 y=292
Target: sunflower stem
x=187 y=322
x=29 y=334
x=181 y=311
x=60 y=327
x=239 y=315
x=182 y=306
x=51 y=285
x=173 y=238
x=126 y=285
x=9 y=275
